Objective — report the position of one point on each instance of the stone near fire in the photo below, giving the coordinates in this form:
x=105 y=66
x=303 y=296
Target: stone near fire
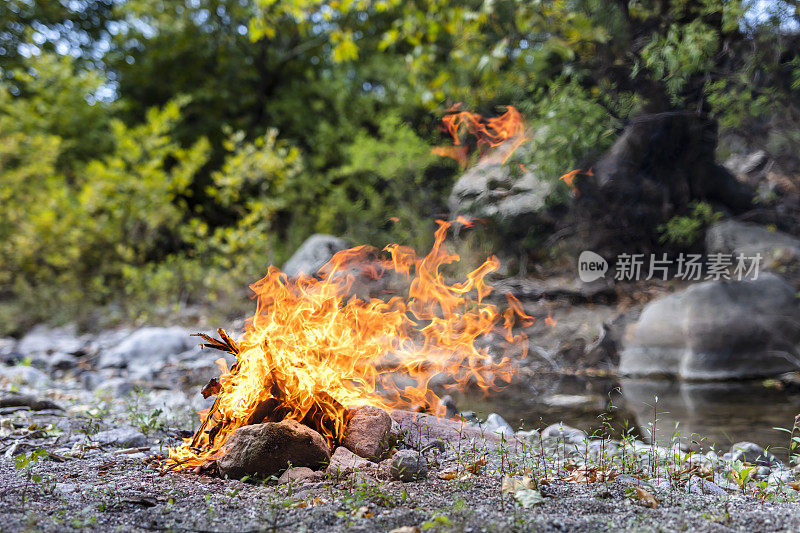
x=267 y=449
x=313 y=254
x=369 y=433
x=409 y=465
x=343 y=461
x=300 y=474
x=717 y=330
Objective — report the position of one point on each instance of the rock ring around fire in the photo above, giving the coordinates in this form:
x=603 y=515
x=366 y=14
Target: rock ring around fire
x=270 y=448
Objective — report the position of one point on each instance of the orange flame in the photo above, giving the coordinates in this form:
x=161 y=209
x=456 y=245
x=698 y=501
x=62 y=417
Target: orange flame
x=569 y=177
x=490 y=132
x=311 y=351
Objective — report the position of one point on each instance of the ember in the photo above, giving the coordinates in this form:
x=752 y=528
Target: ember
x=313 y=353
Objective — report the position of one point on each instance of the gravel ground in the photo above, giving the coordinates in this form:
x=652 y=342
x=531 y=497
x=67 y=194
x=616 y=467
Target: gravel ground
x=89 y=435
x=106 y=488
x=117 y=492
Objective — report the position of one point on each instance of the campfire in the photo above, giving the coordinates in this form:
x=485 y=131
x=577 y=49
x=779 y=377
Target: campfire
x=315 y=354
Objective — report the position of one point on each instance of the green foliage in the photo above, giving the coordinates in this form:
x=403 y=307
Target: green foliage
x=684 y=51
x=685 y=230
x=369 y=197
x=569 y=128
x=155 y=154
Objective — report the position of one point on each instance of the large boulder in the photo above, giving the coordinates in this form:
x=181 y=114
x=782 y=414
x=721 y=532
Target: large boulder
x=500 y=192
x=654 y=170
x=313 y=254
x=148 y=348
x=733 y=237
x=268 y=449
x=717 y=330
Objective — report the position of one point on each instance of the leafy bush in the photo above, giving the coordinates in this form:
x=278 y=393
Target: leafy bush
x=686 y=230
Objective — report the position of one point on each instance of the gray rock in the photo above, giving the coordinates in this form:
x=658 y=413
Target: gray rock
x=300 y=474
x=717 y=330
x=23 y=374
x=409 y=465
x=8 y=351
x=780 y=476
x=448 y=405
x=121 y=437
x=148 y=347
x=712 y=458
x=313 y=254
x=344 y=461
x=42 y=340
x=564 y=433
x=115 y=387
x=732 y=237
x=749 y=452
x=762 y=473
x=269 y=448
x=62 y=361
x=469 y=416
x=744 y=164
x=495 y=424
x=698 y=485
x=490 y=191
x=26 y=400
x=659 y=164
x=368 y=433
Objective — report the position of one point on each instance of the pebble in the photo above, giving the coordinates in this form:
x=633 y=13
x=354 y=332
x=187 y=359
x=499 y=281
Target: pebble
x=496 y=424
x=121 y=437
x=564 y=433
x=749 y=452
x=698 y=485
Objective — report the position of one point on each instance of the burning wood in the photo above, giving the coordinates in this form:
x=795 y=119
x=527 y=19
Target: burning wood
x=310 y=354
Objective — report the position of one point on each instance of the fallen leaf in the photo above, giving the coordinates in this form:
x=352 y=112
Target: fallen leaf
x=589 y=474
x=448 y=474
x=528 y=497
x=646 y=497
x=512 y=485
x=477 y=467
x=362 y=512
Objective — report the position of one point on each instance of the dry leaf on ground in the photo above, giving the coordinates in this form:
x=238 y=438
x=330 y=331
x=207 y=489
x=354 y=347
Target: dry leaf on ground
x=646 y=497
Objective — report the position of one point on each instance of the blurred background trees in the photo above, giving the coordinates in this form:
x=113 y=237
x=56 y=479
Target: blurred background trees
x=156 y=153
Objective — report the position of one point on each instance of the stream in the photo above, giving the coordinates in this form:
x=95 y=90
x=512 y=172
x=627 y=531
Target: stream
x=706 y=415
